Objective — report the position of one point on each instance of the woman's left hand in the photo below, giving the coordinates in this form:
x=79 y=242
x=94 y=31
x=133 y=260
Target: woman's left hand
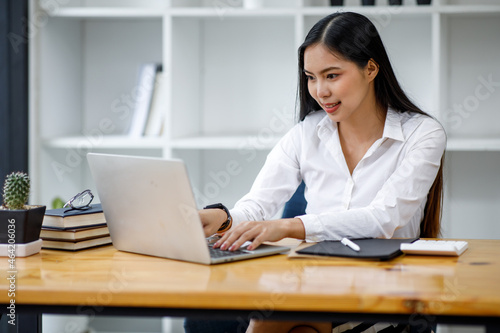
x=260 y=231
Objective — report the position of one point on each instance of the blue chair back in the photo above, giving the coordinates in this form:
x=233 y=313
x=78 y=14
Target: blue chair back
x=297 y=204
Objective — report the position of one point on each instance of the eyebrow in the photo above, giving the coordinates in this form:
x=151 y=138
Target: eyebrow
x=323 y=70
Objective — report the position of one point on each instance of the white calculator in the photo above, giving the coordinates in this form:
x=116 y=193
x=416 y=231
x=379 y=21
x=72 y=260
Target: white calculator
x=435 y=247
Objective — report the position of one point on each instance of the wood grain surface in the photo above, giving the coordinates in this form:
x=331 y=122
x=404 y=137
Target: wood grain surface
x=465 y=285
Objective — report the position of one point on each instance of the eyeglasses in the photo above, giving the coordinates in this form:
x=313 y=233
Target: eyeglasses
x=81 y=201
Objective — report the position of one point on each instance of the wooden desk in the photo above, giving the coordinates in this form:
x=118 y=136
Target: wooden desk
x=106 y=281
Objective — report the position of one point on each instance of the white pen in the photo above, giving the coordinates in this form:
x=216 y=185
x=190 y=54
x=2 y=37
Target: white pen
x=350 y=244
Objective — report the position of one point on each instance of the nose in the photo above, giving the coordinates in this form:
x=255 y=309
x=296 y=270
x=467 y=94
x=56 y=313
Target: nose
x=322 y=89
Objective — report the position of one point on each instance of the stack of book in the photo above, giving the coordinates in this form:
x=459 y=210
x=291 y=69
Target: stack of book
x=66 y=229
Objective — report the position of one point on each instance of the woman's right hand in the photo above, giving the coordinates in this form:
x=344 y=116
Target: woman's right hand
x=212 y=220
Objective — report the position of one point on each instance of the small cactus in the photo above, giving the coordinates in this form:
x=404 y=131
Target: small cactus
x=16 y=190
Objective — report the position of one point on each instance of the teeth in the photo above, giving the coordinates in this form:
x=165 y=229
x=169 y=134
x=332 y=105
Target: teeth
x=331 y=105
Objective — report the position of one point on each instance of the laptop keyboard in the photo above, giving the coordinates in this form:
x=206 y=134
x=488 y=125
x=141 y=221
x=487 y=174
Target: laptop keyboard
x=218 y=253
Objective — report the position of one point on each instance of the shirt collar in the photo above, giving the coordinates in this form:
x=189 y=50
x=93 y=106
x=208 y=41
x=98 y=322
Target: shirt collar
x=392 y=127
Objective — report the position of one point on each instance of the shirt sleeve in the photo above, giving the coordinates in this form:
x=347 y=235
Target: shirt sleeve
x=275 y=184
x=395 y=204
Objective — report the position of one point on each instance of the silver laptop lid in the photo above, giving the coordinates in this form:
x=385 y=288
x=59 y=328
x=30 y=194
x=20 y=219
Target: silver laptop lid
x=149 y=206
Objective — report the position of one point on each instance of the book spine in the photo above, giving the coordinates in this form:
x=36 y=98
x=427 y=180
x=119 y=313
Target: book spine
x=158 y=108
x=144 y=93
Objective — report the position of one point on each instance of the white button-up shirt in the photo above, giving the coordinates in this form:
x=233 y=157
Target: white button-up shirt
x=385 y=195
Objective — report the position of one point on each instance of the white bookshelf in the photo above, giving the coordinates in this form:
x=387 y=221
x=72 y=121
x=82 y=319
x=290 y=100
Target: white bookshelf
x=231 y=87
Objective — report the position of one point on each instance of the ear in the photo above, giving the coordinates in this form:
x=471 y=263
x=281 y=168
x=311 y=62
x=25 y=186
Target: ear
x=371 y=69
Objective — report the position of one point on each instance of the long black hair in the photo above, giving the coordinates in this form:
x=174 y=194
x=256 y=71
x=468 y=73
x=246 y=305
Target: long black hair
x=353 y=37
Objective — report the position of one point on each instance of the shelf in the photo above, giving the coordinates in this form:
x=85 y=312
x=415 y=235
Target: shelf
x=222 y=143
x=469 y=9
x=105 y=142
x=473 y=145
x=370 y=10
x=107 y=12
x=408 y=10
x=124 y=142
x=230 y=11
x=226 y=142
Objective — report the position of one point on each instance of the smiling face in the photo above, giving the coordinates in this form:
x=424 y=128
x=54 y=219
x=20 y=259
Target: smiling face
x=345 y=91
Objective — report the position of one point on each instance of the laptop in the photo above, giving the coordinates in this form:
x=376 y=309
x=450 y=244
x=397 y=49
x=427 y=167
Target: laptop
x=150 y=209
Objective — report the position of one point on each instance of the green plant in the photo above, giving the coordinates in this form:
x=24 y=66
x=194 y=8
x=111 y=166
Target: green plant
x=57 y=202
x=16 y=190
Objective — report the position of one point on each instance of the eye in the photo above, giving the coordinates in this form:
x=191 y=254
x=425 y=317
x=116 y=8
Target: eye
x=309 y=77
x=331 y=76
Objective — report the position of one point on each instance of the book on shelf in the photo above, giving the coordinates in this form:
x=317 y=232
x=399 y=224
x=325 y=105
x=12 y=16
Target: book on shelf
x=158 y=109
x=74 y=234
x=75 y=245
x=145 y=87
x=66 y=218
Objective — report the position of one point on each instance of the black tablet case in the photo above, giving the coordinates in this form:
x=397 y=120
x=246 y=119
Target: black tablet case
x=371 y=248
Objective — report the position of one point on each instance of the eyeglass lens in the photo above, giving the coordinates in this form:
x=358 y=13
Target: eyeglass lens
x=82 y=200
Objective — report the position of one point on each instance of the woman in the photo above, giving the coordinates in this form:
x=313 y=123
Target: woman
x=370 y=158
